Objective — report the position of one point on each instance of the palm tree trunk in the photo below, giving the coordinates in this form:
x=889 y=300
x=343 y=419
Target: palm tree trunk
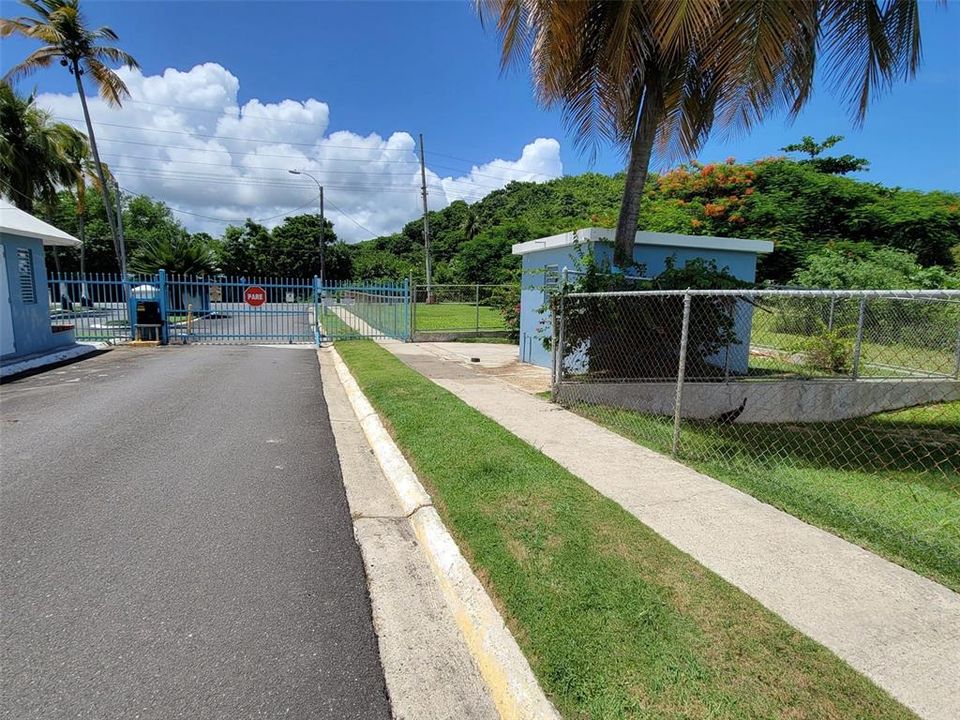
x=641 y=148
x=96 y=161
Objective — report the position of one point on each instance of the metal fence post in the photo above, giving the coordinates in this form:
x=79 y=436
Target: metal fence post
x=410 y=298
x=477 y=300
x=858 y=343
x=956 y=356
x=412 y=315
x=164 y=327
x=316 y=310
x=556 y=336
x=681 y=370
x=833 y=305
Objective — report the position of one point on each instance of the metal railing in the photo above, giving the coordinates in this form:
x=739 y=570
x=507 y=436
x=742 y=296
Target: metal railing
x=460 y=309
x=95 y=305
x=842 y=407
x=365 y=310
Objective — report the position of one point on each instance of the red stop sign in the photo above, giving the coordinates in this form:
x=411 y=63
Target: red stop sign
x=255 y=296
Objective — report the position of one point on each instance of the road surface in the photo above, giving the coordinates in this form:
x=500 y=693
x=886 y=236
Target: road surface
x=176 y=543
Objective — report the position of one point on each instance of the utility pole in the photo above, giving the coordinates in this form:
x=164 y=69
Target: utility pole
x=323 y=244
x=323 y=225
x=426 y=223
x=123 y=246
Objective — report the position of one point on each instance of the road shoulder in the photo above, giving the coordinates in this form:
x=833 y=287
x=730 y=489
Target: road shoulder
x=428 y=667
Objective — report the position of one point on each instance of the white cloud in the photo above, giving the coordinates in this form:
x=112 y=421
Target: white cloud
x=183 y=138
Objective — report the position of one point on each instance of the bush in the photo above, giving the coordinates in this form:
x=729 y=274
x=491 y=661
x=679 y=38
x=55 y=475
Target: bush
x=639 y=336
x=507 y=301
x=828 y=350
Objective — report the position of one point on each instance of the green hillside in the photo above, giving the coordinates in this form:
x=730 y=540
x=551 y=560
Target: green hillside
x=811 y=215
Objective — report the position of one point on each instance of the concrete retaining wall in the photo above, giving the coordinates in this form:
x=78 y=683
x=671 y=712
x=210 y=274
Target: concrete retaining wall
x=454 y=335
x=772 y=401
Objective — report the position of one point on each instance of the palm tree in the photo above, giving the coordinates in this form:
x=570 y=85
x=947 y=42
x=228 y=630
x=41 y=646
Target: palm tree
x=182 y=254
x=660 y=73
x=76 y=150
x=471 y=224
x=62 y=28
x=32 y=159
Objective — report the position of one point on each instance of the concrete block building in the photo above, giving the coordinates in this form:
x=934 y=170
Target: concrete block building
x=544 y=259
x=25 y=327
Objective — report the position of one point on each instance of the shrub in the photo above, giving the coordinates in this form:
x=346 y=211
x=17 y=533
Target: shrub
x=828 y=350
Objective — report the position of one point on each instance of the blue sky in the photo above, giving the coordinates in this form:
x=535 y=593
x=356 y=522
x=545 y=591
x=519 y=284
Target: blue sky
x=429 y=67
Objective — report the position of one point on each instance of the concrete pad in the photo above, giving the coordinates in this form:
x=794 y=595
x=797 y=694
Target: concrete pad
x=429 y=671
x=54 y=357
x=899 y=629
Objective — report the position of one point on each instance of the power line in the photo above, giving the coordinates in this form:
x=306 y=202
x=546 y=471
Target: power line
x=319 y=143
x=223 y=112
x=257 y=153
x=328 y=172
x=351 y=219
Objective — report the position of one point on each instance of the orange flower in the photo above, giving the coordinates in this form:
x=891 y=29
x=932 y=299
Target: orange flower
x=714 y=210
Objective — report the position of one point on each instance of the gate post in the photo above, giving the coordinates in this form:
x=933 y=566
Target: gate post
x=316 y=310
x=126 y=287
x=407 y=335
x=164 y=328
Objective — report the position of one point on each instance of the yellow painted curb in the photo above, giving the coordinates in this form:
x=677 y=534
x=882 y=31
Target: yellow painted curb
x=513 y=687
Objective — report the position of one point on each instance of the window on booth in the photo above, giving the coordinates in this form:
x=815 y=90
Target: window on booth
x=28 y=288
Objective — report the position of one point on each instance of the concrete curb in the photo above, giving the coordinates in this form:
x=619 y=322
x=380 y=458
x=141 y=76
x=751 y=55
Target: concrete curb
x=504 y=669
x=71 y=352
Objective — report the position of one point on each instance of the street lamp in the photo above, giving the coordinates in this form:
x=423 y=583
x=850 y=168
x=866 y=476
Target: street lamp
x=323 y=224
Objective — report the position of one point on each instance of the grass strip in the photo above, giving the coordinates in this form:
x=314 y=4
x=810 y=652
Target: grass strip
x=616 y=622
x=454 y=316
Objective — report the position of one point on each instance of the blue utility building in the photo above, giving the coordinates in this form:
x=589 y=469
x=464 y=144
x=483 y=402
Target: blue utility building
x=25 y=327
x=543 y=261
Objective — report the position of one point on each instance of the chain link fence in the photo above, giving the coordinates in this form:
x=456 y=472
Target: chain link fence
x=841 y=407
x=462 y=309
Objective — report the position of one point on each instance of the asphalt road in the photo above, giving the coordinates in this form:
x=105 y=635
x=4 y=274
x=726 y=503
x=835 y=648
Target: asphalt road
x=237 y=322
x=176 y=543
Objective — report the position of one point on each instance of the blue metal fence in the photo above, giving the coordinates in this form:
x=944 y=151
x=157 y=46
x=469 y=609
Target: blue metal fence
x=97 y=305
x=364 y=310
x=221 y=309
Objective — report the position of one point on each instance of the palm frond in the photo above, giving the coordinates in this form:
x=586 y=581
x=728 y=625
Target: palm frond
x=114 y=55
x=112 y=88
x=40 y=58
x=860 y=60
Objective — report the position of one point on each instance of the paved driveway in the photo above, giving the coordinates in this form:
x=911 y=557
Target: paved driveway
x=176 y=543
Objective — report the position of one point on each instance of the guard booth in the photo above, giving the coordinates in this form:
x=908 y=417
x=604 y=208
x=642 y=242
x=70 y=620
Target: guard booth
x=148 y=318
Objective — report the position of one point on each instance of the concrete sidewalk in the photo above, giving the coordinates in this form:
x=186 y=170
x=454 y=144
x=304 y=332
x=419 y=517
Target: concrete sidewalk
x=896 y=627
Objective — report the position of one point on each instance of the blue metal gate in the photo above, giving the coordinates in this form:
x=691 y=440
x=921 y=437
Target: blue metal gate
x=228 y=310
x=350 y=310
x=225 y=310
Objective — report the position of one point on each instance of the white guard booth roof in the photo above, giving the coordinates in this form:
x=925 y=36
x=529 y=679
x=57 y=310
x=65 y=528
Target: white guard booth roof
x=14 y=221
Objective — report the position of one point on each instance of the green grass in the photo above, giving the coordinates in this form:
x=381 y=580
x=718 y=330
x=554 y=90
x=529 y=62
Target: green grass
x=455 y=316
x=890 y=482
x=872 y=354
x=333 y=326
x=616 y=622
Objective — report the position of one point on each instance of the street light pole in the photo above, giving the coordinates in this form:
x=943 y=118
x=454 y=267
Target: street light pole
x=323 y=225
